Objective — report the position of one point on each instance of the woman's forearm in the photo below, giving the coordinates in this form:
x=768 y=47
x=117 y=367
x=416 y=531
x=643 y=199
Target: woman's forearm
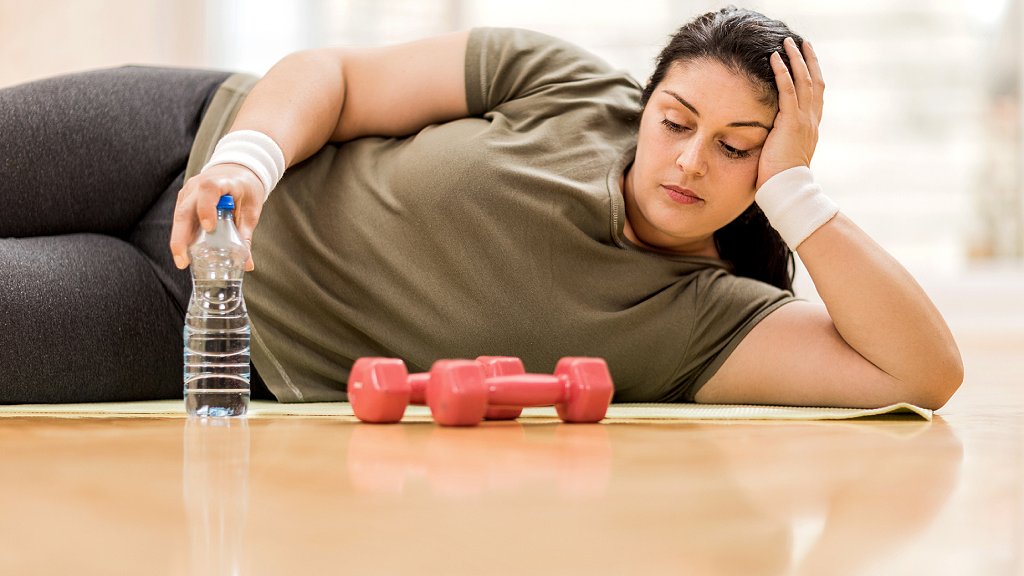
x=298 y=103
x=880 y=310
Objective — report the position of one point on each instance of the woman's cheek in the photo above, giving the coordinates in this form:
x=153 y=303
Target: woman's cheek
x=750 y=170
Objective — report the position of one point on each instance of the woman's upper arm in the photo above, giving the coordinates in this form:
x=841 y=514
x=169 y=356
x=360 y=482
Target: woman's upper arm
x=795 y=356
x=398 y=90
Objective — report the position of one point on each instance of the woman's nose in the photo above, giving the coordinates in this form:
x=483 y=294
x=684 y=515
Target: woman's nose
x=691 y=159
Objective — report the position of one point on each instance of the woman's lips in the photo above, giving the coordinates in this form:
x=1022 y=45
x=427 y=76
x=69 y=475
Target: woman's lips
x=681 y=195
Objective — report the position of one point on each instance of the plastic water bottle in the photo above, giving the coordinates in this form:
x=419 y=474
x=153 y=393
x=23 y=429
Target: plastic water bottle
x=216 y=335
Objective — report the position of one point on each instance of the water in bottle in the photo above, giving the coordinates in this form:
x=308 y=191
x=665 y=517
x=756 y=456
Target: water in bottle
x=216 y=335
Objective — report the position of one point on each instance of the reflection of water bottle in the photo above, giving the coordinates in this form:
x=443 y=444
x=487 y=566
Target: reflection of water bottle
x=216 y=494
x=216 y=370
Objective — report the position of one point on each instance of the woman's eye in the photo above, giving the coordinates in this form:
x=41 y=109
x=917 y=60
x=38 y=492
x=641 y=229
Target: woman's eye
x=733 y=152
x=672 y=125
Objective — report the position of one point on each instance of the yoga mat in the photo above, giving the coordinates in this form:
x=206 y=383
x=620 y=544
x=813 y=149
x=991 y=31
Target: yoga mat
x=343 y=410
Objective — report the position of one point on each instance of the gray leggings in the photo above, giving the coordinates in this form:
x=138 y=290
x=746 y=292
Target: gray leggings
x=91 y=305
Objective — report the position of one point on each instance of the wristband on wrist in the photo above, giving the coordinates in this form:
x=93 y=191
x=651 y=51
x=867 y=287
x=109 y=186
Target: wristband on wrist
x=254 y=150
x=795 y=205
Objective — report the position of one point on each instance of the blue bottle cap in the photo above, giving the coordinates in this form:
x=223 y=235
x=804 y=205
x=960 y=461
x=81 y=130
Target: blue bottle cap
x=226 y=203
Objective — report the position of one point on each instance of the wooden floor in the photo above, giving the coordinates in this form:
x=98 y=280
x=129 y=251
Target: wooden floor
x=317 y=496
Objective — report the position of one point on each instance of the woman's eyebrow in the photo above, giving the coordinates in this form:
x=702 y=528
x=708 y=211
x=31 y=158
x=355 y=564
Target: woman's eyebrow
x=751 y=123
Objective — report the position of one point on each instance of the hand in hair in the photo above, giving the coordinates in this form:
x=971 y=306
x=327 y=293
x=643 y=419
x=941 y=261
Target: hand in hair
x=794 y=136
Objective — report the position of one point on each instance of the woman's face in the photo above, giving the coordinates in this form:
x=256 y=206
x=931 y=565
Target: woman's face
x=696 y=159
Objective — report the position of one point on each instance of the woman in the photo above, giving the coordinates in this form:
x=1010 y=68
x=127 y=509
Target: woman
x=495 y=192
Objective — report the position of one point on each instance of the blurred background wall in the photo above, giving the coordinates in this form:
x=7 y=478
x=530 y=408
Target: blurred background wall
x=920 y=144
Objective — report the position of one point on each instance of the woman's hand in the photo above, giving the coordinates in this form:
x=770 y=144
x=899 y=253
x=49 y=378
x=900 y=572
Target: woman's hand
x=197 y=205
x=795 y=133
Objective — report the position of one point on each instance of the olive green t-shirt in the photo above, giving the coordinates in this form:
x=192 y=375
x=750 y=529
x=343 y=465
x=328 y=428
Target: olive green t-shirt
x=497 y=234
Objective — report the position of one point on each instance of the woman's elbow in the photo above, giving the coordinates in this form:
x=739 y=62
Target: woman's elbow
x=934 y=391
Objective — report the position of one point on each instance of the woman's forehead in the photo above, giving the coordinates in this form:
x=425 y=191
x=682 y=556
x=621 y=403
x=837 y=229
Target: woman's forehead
x=715 y=90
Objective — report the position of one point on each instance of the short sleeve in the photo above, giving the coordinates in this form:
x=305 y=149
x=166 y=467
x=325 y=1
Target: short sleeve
x=727 y=309
x=509 y=64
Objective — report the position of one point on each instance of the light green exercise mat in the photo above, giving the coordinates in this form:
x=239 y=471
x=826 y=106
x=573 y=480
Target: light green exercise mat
x=343 y=410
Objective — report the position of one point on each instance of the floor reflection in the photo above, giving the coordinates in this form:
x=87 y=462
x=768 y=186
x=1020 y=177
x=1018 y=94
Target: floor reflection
x=696 y=498
x=215 y=488
x=702 y=498
x=575 y=460
x=815 y=498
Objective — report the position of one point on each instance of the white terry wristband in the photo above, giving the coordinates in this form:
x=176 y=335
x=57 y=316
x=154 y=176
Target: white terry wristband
x=795 y=204
x=254 y=150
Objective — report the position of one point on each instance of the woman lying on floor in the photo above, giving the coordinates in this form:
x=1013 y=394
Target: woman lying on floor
x=490 y=192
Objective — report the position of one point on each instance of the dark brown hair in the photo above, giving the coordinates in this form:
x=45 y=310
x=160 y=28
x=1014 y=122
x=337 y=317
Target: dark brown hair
x=742 y=41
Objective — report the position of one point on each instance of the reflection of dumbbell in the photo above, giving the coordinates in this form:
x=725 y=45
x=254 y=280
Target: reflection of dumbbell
x=459 y=392
x=381 y=388
x=504 y=458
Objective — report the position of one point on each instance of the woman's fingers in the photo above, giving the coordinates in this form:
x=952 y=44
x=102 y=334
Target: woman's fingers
x=183 y=228
x=816 y=77
x=197 y=206
x=248 y=216
x=208 y=194
x=800 y=73
x=792 y=140
x=787 y=91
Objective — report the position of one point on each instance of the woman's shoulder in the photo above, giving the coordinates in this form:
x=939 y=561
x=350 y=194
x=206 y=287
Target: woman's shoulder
x=504 y=64
x=520 y=42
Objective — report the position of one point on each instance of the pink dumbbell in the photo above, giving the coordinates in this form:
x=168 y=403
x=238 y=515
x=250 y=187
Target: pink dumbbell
x=381 y=388
x=459 y=392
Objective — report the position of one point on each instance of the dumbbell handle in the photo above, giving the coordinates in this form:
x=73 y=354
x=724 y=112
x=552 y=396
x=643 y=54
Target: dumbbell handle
x=418 y=388
x=527 y=390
